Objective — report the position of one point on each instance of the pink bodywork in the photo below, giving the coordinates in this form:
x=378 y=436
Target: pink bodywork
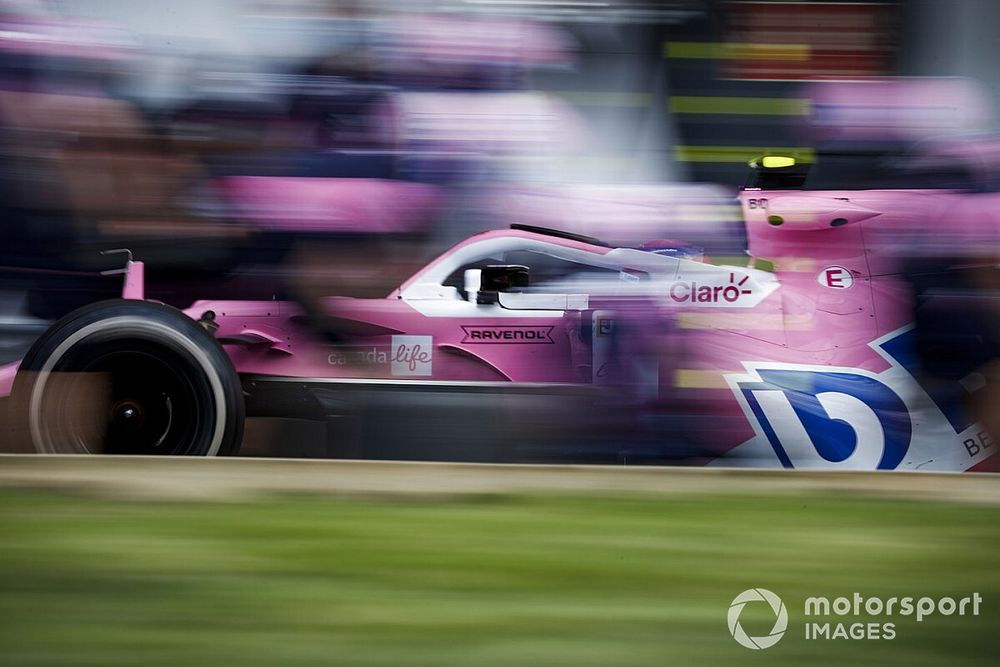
x=834 y=294
x=286 y=345
x=840 y=292
x=839 y=257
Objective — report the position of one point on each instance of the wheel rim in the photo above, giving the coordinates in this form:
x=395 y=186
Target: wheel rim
x=139 y=399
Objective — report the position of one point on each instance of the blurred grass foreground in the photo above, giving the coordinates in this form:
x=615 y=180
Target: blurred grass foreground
x=612 y=577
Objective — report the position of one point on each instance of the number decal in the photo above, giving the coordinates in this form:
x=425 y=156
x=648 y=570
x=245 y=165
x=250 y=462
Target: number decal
x=757 y=203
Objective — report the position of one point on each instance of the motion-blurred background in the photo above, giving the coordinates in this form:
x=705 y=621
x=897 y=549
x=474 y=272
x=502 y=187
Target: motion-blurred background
x=139 y=123
x=255 y=149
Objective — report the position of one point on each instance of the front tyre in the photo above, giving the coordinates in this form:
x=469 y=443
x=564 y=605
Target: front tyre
x=128 y=377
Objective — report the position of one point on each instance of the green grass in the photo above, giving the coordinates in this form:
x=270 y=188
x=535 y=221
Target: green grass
x=499 y=580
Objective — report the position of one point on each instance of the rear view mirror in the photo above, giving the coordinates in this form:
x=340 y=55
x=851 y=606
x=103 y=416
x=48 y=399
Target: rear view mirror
x=471 y=283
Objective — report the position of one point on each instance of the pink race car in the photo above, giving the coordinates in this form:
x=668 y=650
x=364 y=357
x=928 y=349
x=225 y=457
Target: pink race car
x=802 y=358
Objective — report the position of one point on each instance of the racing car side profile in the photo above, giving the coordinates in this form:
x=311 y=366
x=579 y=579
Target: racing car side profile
x=809 y=364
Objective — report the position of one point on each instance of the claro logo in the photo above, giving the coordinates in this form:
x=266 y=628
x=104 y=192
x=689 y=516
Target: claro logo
x=690 y=291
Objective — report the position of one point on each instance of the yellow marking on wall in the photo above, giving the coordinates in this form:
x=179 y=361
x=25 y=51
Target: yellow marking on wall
x=738 y=153
x=755 y=106
x=739 y=261
x=737 y=51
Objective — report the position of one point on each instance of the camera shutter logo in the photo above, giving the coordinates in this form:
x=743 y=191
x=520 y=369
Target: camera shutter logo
x=780 y=622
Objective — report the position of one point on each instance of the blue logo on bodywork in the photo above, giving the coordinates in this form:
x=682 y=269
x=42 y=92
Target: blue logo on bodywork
x=870 y=410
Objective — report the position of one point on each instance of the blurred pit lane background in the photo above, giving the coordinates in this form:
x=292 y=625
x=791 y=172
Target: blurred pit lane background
x=192 y=132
